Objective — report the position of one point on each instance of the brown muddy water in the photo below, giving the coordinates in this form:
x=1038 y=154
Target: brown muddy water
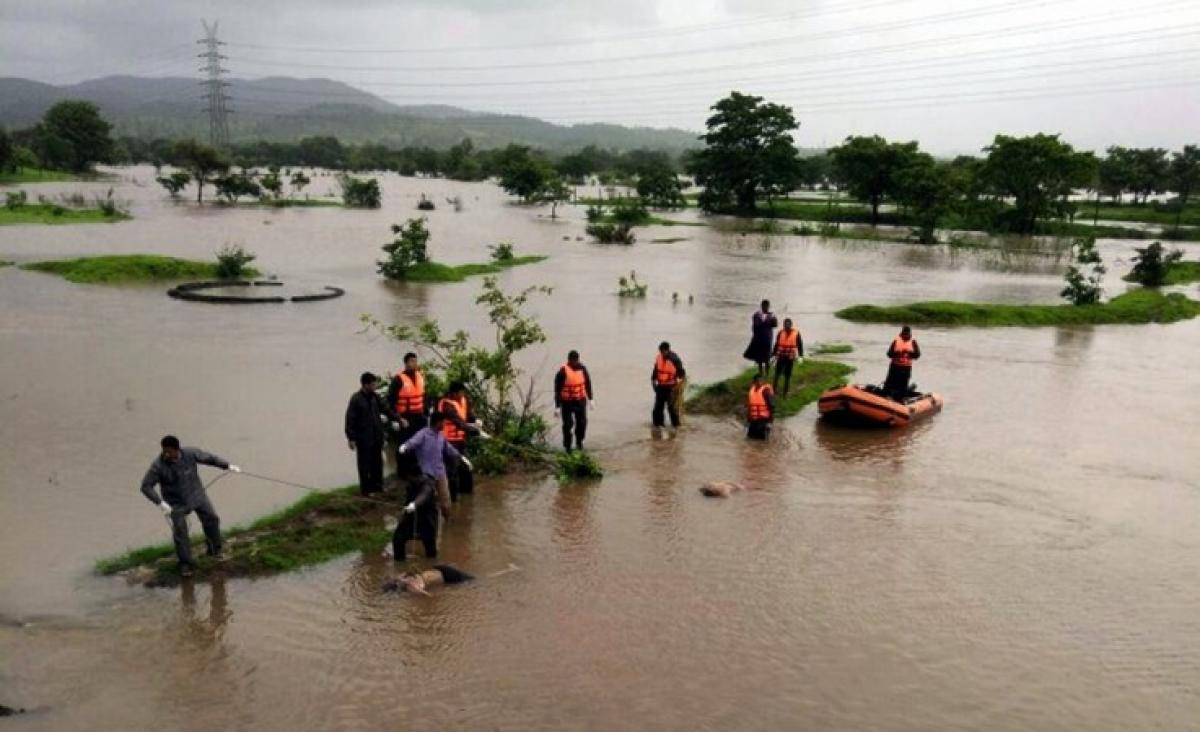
x=1028 y=559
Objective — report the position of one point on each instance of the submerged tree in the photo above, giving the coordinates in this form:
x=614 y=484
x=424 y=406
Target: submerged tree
x=869 y=168
x=1038 y=172
x=73 y=136
x=407 y=250
x=360 y=192
x=175 y=182
x=749 y=154
x=201 y=161
x=1151 y=265
x=1086 y=273
x=927 y=189
x=659 y=187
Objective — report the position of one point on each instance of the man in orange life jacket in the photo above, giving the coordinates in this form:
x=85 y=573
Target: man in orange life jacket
x=903 y=351
x=459 y=423
x=760 y=409
x=789 y=349
x=572 y=394
x=406 y=394
x=668 y=371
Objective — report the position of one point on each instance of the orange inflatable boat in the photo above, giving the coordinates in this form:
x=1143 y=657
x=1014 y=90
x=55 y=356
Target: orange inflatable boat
x=867 y=406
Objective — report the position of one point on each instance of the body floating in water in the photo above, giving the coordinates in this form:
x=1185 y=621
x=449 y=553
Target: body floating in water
x=419 y=583
x=721 y=489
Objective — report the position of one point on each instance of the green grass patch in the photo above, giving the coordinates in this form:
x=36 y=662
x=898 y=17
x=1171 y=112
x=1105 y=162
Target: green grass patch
x=48 y=213
x=129 y=268
x=320 y=527
x=826 y=349
x=438 y=272
x=652 y=220
x=1144 y=213
x=1134 y=307
x=809 y=380
x=577 y=465
x=289 y=203
x=38 y=175
x=1178 y=273
x=6 y=263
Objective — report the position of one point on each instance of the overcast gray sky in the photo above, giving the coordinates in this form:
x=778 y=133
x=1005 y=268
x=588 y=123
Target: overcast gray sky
x=949 y=73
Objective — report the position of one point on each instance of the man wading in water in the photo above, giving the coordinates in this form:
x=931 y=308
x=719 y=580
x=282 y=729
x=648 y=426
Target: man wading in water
x=432 y=451
x=176 y=470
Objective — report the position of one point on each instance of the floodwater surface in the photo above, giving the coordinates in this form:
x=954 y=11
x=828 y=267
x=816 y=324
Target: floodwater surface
x=1027 y=559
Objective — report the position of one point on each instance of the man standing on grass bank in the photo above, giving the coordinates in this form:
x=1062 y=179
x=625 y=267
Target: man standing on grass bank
x=366 y=415
x=789 y=350
x=665 y=378
x=176 y=470
x=406 y=394
x=572 y=394
x=420 y=520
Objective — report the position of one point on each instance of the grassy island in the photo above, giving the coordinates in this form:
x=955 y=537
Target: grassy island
x=438 y=272
x=320 y=527
x=129 y=268
x=809 y=380
x=1134 y=307
x=49 y=213
x=1177 y=273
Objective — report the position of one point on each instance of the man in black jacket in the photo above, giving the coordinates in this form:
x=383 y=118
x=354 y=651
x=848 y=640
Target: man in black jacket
x=366 y=416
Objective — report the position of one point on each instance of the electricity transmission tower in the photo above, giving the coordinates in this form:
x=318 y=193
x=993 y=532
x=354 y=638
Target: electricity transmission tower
x=218 y=111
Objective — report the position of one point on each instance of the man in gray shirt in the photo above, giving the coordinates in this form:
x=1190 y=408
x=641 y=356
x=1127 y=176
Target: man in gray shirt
x=176 y=470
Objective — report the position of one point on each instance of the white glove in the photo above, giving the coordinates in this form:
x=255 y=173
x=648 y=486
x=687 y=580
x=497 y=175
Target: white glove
x=383 y=418
x=234 y=469
x=403 y=449
x=165 y=508
x=395 y=426
x=483 y=434
x=592 y=403
x=410 y=508
x=468 y=463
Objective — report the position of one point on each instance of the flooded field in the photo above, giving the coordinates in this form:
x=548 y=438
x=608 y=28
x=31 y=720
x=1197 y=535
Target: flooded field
x=1025 y=560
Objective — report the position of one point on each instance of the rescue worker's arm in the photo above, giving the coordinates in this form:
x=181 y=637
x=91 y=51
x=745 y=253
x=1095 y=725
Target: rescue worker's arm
x=559 y=380
x=414 y=442
x=149 y=482
x=775 y=350
x=459 y=422
x=587 y=383
x=916 y=350
x=207 y=458
x=891 y=353
x=679 y=372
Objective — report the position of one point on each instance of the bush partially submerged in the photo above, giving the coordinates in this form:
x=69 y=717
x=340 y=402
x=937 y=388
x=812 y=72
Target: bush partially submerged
x=577 y=465
x=359 y=192
x=232 y=260
x=1151 y=265
x=612 y=233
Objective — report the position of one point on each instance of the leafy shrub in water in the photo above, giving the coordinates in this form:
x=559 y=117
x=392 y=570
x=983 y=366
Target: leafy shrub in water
x=233 y=186
x=577 y=465
x=175 y=182
x=232 y=260
x=359 y=192
x=108 y=204
x=630 y=287
x=15 y=199
x=502 y=252
x=630 y=213
x=612 y=233
x=594 y=214
x=407 y=250
x=1085 y=273
x=1151 y=265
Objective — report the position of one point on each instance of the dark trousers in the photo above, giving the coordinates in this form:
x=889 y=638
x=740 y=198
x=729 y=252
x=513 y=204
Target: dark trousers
x=759 y=429
x=896 y=384
x=783 y=367
x=422 y=524
x=406 y=465
x=208 y=520
x=664 y=398
x=458 y=475
x=574 y=420
x=370 y=467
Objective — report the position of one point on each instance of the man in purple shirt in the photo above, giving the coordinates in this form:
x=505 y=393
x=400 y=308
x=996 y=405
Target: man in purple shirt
x=420 y=518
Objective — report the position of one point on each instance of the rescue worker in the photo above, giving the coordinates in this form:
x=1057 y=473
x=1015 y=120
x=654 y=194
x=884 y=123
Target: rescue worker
x=665 y=378
x=176 y=471
x=406 y=394
x=572 y=395
x=762 y=330
x=459 y=423
x=366 y=416
x=760 y=409
x=429 y=494
x=789 y=350
x=903 y=351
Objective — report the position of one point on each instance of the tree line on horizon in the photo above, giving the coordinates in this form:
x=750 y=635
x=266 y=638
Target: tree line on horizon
x=748 y=158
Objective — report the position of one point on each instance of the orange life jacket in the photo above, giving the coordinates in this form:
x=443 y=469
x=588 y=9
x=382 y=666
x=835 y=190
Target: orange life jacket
x=903 y=351
x=574 y=387
x=757 y=402
x=788 y=346
x=411 y=397
x=665 y=373
x=457 y=408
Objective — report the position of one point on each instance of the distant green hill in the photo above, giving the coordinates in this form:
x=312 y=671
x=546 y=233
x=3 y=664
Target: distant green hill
x=284 y=108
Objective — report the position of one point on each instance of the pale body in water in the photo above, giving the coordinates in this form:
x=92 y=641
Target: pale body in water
x=721 y=488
